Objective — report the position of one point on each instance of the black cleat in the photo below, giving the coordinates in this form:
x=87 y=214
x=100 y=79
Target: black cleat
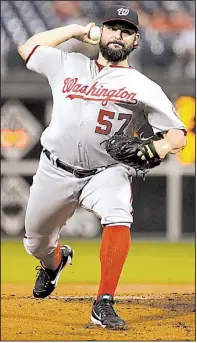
x=47 y=279
x=103 y=313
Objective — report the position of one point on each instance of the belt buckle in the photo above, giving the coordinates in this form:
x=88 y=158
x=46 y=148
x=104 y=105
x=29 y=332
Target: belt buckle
x=75 y=173
x=53 y=159
x=80 y=173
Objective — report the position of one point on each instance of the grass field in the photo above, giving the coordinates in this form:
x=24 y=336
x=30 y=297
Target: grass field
x=148 y=262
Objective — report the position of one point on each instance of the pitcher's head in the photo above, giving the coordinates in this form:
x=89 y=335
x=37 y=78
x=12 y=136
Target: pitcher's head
x=120 y=34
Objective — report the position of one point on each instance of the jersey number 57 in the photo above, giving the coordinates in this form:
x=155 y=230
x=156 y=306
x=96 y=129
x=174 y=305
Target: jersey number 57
x=103 y=117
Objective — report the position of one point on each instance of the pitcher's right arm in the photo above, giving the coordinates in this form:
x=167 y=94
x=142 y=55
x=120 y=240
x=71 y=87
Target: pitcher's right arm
x=52 y=38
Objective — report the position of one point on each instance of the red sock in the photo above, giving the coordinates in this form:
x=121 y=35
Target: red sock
x=113 y=253
x=53 y=260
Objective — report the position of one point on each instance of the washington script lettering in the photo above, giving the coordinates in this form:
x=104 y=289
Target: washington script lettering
x=97 y=92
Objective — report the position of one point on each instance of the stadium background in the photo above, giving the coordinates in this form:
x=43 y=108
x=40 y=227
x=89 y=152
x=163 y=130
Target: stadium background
x=166 y=56
x=164 y=205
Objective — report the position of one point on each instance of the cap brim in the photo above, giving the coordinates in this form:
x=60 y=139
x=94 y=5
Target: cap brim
x=120 y=19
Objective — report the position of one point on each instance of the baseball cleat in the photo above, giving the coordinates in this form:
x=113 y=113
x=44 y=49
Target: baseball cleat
x=47 y=279
x=103 y=313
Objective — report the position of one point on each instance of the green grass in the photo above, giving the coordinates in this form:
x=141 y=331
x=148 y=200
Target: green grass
x=148 y=262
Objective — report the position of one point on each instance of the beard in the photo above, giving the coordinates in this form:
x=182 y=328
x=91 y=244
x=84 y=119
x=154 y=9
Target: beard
x=114 y=55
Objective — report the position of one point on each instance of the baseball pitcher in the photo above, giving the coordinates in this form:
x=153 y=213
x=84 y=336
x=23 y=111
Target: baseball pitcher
x=89 y=148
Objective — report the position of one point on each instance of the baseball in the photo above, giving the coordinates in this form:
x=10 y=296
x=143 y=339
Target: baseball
x=95 y=33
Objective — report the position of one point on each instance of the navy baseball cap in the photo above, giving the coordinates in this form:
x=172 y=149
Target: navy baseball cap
x=123 y=13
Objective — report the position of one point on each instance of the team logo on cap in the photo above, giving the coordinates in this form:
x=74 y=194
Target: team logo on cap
x=123 y=11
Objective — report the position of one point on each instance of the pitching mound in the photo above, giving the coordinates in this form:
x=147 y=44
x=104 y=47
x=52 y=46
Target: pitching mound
x=65 y=316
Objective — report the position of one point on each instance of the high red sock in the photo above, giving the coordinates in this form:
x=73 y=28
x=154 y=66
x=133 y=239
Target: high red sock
x=53 y=260
x=113 y=253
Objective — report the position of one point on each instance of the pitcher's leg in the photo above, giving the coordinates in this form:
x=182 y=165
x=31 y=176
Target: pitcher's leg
x=109 y=195
x=50 y=204
x=112 y=260
x=42 y=230
x=114 y=249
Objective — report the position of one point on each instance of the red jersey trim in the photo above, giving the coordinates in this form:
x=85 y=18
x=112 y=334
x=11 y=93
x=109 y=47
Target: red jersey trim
x=31 y=53
x=100 y=66
x=113 y=66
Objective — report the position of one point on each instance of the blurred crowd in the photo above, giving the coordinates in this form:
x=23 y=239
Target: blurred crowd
x=167 y=30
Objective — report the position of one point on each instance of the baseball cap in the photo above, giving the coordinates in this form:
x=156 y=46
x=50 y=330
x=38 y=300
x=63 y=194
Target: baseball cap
x=123 y=13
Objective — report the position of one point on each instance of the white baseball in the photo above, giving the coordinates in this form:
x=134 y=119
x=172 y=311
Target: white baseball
x=95 y=33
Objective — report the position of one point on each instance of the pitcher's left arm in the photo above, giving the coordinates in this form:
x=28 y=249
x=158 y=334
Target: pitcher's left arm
x=165 y=122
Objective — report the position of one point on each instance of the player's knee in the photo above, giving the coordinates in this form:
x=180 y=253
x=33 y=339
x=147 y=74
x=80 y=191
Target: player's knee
x=118 y=218
x=38 y=247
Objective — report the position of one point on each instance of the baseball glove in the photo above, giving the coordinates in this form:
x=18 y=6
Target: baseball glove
x=134 y=152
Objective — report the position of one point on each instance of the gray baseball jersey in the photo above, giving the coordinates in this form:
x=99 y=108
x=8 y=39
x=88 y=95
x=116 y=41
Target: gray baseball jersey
x=90 y=105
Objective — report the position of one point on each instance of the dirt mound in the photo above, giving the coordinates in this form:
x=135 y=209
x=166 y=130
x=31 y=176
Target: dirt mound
x=63 y=317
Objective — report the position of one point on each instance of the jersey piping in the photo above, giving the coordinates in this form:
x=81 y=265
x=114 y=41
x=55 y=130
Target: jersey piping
x=31 y=53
